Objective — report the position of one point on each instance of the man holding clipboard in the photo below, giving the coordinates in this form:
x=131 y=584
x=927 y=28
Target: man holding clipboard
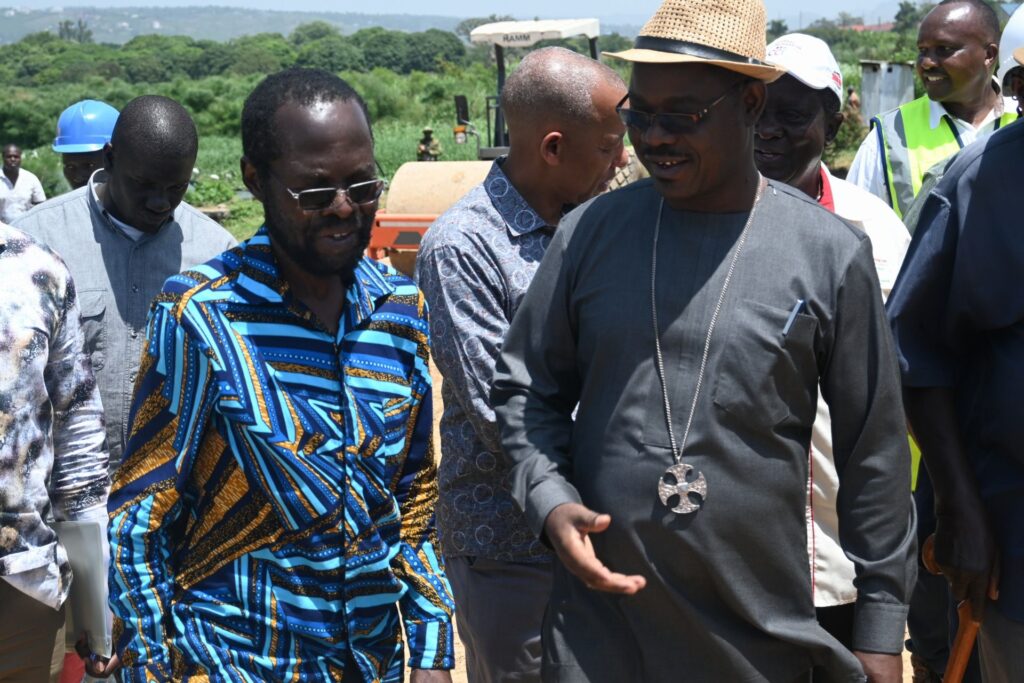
x=53 y=464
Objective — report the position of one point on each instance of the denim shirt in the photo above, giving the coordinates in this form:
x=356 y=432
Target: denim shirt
x=474 y=267
x=117 y=278
x=957 y=316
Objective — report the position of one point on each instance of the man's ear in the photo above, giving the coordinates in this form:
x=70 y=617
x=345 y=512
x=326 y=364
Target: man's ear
x=108 y=158
x=552 y=147
x=754 y=97
x=251 y=178
x=991 y=54
x=832 y=126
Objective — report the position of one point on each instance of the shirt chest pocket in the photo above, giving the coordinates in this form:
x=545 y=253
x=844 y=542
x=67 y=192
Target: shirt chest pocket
x=766 y=378
x=93 y=306
x=384 y=421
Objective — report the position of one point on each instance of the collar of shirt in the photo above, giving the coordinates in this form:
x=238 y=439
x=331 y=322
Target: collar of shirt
x=134 y=233
x=519 y=216
x=936 y=111
x=826 y=191
x=261 y=283
x=99 y=177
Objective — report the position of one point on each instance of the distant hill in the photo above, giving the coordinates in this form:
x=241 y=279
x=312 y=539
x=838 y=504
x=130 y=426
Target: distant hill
x=121 y=24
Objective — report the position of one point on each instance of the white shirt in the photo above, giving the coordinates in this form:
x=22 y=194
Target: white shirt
x=867 y=170
x=17 y=198
x=831 y=571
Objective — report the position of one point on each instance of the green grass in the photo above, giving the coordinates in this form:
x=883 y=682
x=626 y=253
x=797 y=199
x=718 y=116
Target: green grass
x=246 y=216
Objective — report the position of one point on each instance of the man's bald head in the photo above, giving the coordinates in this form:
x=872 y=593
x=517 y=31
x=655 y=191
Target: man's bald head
x=974 y=15
x=566 y=138
x=149 y=162
x=553 y=86
x=155 y=126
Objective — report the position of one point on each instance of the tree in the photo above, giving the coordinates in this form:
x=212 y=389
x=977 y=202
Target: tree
x=466 y=26
x=845 y=20
x=908 y=17
x=432 y=47
x=823 y=25
x=75 y=33
x=776 y=29
x=217 y=58
x=261 y=53
x=314 y=30
x=383 y=49
x=157 y=58
x=331 y=53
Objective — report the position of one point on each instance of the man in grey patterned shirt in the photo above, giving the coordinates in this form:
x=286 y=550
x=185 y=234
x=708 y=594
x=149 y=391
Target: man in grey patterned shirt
x=52 y=461
x=474 y=267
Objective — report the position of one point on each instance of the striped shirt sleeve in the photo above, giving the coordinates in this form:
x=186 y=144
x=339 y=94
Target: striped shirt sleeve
x=168 y=415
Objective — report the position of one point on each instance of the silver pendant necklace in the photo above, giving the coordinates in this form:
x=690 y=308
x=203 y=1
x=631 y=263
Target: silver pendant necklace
x=673 y=483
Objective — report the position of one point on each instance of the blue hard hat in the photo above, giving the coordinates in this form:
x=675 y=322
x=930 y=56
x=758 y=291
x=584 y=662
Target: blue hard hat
x=84 y=127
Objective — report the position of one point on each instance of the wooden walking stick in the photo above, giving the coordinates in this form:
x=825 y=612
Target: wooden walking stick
x=967 y=629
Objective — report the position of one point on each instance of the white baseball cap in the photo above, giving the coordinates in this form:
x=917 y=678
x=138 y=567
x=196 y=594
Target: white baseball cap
x=808 y=60
x=1012 y=38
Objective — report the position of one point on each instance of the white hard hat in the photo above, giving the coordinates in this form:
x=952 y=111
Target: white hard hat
x=808 y=60
x=1013 y=38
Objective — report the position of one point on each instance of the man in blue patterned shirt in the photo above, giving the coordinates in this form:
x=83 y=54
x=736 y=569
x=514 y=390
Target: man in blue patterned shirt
x=474 y=266
x=273 y=517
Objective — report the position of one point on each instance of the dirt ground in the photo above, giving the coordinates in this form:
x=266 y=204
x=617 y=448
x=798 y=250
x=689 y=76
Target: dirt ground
x=459 y=673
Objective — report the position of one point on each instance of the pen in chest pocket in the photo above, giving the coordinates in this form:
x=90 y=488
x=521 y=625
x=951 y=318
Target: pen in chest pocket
x=797 y=308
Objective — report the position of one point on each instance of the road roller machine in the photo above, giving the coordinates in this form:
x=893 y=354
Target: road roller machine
x=418 y=194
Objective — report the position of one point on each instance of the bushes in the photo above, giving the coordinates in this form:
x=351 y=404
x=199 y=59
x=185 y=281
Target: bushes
x=41 y=59
x=30 y=114
x=331 y=53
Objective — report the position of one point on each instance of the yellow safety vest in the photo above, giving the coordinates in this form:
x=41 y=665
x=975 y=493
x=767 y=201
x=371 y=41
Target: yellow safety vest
x=910 y=146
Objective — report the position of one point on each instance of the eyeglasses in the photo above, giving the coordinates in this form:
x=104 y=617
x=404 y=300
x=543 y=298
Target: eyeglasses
x=674 y=123
x=322 y=198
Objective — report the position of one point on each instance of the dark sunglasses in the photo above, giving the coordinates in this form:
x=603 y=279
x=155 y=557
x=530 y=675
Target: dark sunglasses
x=674 y=123
x=321 y=198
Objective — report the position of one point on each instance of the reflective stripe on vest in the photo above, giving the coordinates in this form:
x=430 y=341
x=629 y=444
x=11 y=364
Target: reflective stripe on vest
x=910 y=146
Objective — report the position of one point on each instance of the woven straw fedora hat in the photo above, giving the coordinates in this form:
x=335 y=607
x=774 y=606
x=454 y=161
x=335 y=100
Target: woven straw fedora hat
x=725 y=33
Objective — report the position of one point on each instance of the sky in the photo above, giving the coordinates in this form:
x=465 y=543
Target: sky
x=794 y=12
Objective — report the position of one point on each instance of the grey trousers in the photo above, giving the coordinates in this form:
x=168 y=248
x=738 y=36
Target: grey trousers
x=499 y=607
x=1001 y=647
x=31 y=638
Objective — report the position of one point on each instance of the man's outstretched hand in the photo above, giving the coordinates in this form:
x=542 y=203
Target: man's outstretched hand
x=568 y=528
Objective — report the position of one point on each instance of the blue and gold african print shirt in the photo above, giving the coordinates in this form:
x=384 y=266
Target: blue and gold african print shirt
x=274 y=513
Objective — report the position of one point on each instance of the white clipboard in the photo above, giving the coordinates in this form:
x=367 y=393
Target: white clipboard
x=88 y=611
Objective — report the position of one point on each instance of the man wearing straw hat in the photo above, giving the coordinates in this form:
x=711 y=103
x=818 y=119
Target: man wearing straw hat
x=689 y=320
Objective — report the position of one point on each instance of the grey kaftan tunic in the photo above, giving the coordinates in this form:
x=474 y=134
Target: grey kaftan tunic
x=728 y=596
